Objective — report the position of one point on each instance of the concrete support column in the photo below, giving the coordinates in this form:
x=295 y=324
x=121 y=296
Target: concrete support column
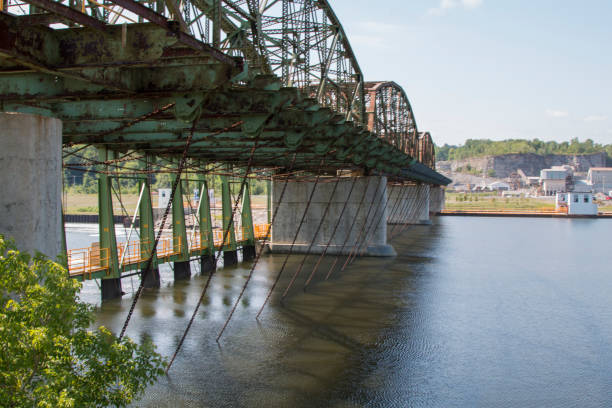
x=437 y=195
x=182 y=270
x=31 y=180
x=207 y=264
x=413 y=207
x=295 y=201
x=152 y=280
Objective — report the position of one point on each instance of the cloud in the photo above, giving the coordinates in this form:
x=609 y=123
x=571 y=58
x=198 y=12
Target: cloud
x=446 y=5
x=471 y=3
x=376 y=34
x=595 y=118
x=556 y=113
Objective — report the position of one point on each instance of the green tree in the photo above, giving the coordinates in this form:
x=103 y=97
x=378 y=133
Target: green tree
x=48 y=355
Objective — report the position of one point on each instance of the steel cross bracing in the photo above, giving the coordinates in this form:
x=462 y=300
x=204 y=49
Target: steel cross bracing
x=110 y=70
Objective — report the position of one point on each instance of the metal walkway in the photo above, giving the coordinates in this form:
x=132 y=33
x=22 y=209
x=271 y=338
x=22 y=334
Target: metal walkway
x=93 y=262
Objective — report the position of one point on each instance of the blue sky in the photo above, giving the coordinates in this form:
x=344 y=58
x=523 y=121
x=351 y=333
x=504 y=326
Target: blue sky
x=492 y=69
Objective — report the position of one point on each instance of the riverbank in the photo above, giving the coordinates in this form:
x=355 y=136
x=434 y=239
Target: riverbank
x=489 y=202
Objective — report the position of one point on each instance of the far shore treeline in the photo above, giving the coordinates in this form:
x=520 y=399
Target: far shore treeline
x=486 y=147
x=83 y=179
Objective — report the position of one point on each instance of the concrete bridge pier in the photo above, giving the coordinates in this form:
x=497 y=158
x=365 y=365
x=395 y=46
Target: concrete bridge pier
x=413 y=205
x=182 y=270
x=31 y=180
x=437 y=196
x=248 y=252
x=207 y=263
x=152 y=280
x=352 y=221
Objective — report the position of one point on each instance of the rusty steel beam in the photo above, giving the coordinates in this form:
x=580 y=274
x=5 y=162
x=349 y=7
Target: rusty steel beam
x=184 y=38
x=69 y=13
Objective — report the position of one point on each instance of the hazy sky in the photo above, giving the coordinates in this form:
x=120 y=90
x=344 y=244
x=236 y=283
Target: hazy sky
x=491 y=68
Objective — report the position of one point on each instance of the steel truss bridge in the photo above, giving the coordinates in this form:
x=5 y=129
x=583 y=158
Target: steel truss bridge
x=256 y=85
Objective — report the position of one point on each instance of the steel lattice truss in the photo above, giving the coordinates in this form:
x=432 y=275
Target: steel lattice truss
x=426 y=151
x=300 y=42
x=390 y=116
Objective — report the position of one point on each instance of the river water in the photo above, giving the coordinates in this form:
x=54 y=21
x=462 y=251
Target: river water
x=489 y=312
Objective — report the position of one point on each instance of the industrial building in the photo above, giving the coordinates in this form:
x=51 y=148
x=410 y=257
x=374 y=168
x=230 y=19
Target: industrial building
x=600 y=178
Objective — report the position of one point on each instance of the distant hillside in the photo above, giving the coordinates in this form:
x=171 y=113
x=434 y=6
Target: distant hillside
x=485 y=147
x=502 y=166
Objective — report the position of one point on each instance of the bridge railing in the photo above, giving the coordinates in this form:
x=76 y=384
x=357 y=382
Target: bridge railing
x=85 y=261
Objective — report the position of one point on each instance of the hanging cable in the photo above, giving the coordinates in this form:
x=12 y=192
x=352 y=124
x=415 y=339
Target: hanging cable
x=278 y=275
x=397 y=210
x=225 y=237
x=365 y=223
x=312 y=241
x=375 y=224
x=314 y=269
x=159 y=234
x=348 y=234
x=263 y=244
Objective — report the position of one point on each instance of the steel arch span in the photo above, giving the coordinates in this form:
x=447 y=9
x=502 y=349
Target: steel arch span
x=168 y=60
x=390 y=116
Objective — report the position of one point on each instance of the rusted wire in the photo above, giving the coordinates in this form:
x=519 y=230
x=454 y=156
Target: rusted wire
x=348 y=234
x=397 y=208
x=312 y=241
x=278 y=275
x=365 y=223
x=375 y=224
x=404 y=214
x=225 y=236
x=314 y=269
x=263 y=244
x=159 y=234
x=406 y=224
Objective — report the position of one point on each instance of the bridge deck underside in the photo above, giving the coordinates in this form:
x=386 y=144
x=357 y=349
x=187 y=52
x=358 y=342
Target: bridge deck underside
x=141 y=89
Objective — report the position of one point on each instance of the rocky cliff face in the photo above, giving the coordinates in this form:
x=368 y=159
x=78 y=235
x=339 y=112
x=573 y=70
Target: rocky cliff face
x=530 y=163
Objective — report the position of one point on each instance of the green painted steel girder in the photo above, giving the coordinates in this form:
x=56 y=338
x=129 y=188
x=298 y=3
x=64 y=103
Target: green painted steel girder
x=229 y=235
x=179 y=230
x=145 y=59
x=206 y=230
x=108 y=241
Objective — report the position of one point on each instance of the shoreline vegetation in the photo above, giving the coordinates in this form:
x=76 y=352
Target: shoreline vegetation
x=52 y=355
x=87 y=203
x=486 y=147
x=490 y=201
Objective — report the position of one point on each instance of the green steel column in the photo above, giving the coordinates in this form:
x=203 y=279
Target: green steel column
x=64 y=246
x=147 y=235
x=111 y=285
x=207 y=258
x=269 y=192
x=229 y=245
x=179 y=233
x=248 y=232
x=216 y=40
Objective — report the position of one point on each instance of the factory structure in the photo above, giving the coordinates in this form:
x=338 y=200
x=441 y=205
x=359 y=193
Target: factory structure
x=563 y=179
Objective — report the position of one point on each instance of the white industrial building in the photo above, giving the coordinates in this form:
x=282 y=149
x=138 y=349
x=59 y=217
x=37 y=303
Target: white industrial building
x=553 y=180
x=600 y=178
x=576 y=203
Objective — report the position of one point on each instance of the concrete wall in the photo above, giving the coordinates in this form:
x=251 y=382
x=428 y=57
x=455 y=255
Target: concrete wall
x=294 y=203
x=437 y=196
x=409 y=204
x=31 y=182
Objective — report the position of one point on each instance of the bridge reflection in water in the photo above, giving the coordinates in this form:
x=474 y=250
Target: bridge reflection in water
x=83 y=263
x=444 y=324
